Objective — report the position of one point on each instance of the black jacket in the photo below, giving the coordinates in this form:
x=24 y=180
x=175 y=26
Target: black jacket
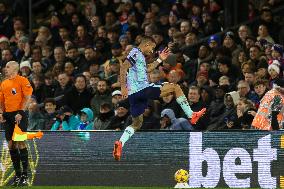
x=59 y=91
x=49 y=91
x=120 y=122
x=220 y=122
x=174 y=106
x=151 y=122
x=204 y=120
x=78 y=100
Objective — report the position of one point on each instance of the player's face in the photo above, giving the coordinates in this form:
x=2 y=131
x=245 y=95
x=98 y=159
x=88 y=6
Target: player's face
x=149 y=48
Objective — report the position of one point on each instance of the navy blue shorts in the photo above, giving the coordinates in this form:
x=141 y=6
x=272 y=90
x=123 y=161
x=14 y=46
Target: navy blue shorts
x=139 y=101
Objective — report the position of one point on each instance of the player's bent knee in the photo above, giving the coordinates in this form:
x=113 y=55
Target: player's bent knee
x=136 y=125
x=166 y=89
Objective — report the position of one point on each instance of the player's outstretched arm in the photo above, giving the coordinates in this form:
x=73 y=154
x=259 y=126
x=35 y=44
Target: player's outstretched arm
x=153 y=65
x=123 y=71
x=163 y=55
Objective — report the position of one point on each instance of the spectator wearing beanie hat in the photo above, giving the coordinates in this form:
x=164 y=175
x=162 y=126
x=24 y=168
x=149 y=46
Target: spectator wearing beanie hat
x=116 y=97
x=122 y=119
x=4 y=42
x=225 y=67
x=277 y=54
x=25 y=68
x=229 y=42
x=274 y=72
x=226 y=114
x=202 y=78
x=262 y=70
x=214 y=41
x=250 y=41
x=216 y=107
x=277 y=51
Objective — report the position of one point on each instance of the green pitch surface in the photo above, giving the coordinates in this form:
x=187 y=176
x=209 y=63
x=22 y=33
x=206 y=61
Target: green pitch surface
x=85 y=187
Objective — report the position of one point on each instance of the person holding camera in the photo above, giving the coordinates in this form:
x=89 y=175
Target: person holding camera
x=65 y=120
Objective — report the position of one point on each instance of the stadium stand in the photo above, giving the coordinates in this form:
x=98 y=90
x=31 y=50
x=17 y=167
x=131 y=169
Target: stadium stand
x=231 y=67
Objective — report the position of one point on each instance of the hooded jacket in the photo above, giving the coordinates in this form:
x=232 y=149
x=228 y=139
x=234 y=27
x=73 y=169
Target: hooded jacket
x=71 y=124
x=89 y=125
x=176 y=123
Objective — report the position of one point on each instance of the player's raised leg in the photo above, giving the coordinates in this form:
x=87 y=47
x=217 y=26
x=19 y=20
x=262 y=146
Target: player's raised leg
x=182 y=101
x=128 y=132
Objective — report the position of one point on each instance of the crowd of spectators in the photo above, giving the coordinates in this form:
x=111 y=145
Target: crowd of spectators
x=72 y=58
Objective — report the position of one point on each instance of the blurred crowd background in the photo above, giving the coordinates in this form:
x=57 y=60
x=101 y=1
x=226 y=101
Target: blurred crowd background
x=224 y=59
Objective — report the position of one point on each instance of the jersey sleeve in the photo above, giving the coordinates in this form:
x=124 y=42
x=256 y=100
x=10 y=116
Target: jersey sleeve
x=132 y=56
x=1 y=95
x=26 y=87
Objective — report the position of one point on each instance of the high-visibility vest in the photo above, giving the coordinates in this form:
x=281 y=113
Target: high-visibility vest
x=262 y=119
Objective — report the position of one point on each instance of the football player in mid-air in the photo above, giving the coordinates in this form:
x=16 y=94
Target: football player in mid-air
x=135 y=85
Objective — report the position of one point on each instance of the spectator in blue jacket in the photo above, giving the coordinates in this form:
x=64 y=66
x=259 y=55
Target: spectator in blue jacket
x=86 y=117
x=170 y=122
x=65 y=120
